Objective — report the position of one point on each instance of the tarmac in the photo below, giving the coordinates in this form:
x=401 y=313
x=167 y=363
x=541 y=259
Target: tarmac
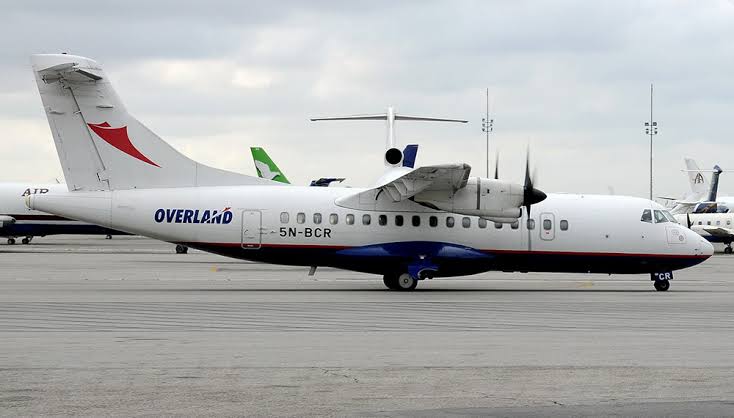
x=126 y=327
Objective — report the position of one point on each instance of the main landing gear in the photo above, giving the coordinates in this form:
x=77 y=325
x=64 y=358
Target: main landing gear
x=181 y=249
x=11 y=241
x=661 y=280
x=26 y=240
x=727 y=249
x=402 y=282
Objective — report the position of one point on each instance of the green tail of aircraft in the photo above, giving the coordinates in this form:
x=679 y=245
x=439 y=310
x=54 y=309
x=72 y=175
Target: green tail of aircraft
x=265 y=167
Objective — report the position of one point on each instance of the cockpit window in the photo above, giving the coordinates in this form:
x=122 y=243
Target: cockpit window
x=646 y=216
x=660 y=217
x=670 y=217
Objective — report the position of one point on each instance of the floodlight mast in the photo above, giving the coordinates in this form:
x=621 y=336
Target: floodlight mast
x=390 y=116
x=651 y=128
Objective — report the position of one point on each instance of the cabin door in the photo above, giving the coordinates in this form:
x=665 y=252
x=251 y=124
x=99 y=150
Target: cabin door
x=251 y=229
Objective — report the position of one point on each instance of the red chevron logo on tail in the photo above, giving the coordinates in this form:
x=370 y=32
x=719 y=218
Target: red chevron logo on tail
x=117 y=137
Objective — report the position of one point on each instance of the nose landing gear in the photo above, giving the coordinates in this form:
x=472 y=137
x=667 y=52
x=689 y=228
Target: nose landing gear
x=662 y=280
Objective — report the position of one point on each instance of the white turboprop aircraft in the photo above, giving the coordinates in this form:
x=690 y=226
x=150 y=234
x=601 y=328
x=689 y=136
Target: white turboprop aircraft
x=420 y=223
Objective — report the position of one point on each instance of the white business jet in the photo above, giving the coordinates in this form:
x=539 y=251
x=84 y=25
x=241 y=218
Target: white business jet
x=414 y=224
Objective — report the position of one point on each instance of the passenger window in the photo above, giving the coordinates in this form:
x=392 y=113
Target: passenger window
x=333 y=219
x=531 y=224
x=718 y=222
x=564 y=225
x=416 y=220
x=433 y=221
x=708 y=222
x=660 y=217
x=284 y=217
x=728 y=222
x=498 y=225
x=449 y=221
x=366 y=219
x=515 y=225
x=646 y=216
x=301 y=218
x=382 y=220
x=700 y=222
x=316 y=218
x=482 y=223
x=465 y=222
x=547 y=224
x=350 y=219
x=398 y=220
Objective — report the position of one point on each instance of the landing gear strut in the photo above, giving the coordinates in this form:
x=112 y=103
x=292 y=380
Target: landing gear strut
x=181 y=249
x=402 y=282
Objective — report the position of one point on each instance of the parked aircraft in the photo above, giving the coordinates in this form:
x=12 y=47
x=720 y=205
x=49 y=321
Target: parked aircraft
x=16 y=220
x=266 y=167
x=414 y=224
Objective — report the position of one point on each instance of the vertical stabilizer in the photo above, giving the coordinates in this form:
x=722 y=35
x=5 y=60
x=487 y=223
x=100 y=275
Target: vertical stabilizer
x=100 y=145
x=266 y=167
x=696 y=179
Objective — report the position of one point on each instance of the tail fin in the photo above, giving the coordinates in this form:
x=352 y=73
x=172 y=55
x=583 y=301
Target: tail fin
x=698 y=182
x=265 y=166
x=714 y=183
x=100 y=145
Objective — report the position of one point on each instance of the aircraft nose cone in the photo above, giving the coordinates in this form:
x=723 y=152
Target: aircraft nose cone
x=707 y=248
x=534 y=196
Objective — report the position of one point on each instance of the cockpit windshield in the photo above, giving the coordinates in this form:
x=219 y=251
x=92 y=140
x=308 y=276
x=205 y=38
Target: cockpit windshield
x=660 y=216
x=646 y=216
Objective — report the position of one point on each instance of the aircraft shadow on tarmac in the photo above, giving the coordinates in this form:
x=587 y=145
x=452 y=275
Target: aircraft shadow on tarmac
x=348 y=289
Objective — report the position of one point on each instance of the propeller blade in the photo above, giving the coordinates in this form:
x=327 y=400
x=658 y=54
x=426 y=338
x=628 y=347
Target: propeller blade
x=688 y=220
x=497 y=166
x=531 y=195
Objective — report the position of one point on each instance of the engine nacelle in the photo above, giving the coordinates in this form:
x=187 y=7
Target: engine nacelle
x=482 y=197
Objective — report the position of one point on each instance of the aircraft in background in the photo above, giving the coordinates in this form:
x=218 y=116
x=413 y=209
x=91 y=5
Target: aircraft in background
x=413 y=224
x=266 y=167
x=703 y=196
x=16 y=220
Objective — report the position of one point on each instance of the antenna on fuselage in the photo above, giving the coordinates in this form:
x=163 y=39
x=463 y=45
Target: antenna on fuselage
x=393 y=156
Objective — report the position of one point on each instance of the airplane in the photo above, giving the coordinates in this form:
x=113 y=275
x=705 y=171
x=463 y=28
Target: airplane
x=414 y=224
x=714 y=227
x=16 y=220
x=266 y=167
x=702 y=198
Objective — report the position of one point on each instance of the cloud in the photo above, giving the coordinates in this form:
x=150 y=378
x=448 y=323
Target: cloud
x=570 y=77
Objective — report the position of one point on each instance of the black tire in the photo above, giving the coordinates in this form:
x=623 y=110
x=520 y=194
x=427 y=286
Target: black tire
x=181 y=249
x=25 y=241
x=662 y=285
x=727 y=250
x=11 y=241
x=390 y=281
x=406 y=282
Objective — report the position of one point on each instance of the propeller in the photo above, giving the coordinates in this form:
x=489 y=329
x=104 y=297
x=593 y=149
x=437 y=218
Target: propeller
x=497 y=166
x=530 y=195
x=688 y=220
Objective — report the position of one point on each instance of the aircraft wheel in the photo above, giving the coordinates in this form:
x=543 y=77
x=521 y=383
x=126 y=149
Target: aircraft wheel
x=108 y=237
x=727 y=249
x=662 y=285
x=11 y=241
x=181 y=249
x=26 y=240
x=390 y=281
x=407 y=282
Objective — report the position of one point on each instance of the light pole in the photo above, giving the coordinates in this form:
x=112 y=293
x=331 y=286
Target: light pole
x=651 y=128
x=487 y=127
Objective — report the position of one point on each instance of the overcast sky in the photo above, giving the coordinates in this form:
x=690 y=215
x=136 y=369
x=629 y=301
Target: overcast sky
x=571 y=78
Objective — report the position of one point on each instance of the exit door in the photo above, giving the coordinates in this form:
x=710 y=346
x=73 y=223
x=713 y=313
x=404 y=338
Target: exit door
x=547 y=226
x=251 y=229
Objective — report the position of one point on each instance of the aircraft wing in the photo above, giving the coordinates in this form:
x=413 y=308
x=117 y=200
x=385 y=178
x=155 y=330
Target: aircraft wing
x=444 y=177
x=719 y=232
